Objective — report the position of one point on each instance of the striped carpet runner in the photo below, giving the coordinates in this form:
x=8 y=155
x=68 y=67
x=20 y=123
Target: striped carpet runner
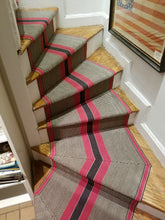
x=99 y=171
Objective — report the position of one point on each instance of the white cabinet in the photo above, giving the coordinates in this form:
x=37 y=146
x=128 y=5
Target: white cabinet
x=14 y=193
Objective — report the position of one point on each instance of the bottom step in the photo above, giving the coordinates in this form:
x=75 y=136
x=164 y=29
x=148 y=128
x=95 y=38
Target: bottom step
x=99 y=204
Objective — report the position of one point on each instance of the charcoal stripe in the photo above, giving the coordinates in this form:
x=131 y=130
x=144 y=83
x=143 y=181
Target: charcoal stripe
x=82 y=201
x=82 y=96
x=67 y=73
x=33 y=21
x=94 y=168
x=79 y=81
x=59 y=49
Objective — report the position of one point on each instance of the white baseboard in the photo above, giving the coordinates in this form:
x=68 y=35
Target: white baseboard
x=77 y=20
x=156 y=146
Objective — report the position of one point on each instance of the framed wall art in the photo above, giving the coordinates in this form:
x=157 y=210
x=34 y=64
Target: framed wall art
x=140 y=24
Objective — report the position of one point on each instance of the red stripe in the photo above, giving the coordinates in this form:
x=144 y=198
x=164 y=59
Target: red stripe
x=27 y=36
x=77 y=86
x=149 y=11
x=74 y=200
x=45 y=181
x=143 y=20
x=63 y=55
x=70 y=49
x=147 y=168
x=24 y=19
x=141 y=30
x=128 y=109
x=102 y=148
x=83 y=78
x=38 y=70
x=87 y=145
x=131 y=209
x=41 y=86
x=52 y=144
x=103 y=66
x=159 y=2
x=47 y=110
x=131 y=33
x=74 y=36
x=144 y=178
x=50 y=131
x=91 y=202
x=37 y=22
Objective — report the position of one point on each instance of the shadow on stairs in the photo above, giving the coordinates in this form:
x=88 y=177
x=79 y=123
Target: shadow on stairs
x=98 y=166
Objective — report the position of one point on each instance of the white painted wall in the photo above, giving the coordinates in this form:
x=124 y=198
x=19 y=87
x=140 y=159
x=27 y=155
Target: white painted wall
x=15 y=69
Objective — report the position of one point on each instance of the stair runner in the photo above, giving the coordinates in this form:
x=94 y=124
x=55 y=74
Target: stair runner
x=99 y=171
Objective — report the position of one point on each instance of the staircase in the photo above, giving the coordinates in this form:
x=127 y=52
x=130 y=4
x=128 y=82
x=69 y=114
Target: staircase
x=89 y=164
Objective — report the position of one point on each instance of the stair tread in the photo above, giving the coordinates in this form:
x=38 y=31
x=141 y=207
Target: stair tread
x=109 y=111
x=72 y=153
x=103 y=57
x=26 y=32
x=111 y=104
x=65 y=189
x=84 y=31
x=93 y=74
x=86 y=34
x=154 y=194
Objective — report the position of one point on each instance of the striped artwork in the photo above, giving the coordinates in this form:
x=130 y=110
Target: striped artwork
x=143 y=23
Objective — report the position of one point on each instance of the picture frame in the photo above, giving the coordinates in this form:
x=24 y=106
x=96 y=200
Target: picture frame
x=141 y=28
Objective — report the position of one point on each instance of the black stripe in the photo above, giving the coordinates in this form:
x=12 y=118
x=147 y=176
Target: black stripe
x=59 y=49
x=66 y=67
x=79 y=81
x=95 y=166
x=33 y=21
x=82 y=96
x=82 y=201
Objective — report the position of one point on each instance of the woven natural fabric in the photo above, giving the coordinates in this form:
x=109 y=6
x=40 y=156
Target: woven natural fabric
x=63 y=203
x=53 y=62
x=111 y=113
x=32 y=23
x=86 y=81
x=124 y=163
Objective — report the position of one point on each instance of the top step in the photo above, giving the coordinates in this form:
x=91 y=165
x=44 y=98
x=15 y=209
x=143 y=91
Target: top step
x=32 y=22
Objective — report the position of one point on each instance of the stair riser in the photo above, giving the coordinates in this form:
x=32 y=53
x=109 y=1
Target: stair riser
x=70 y=102
x=35 y=49
x=92 y=45
x=59 y=132
x=38 y=156
x=151 y=210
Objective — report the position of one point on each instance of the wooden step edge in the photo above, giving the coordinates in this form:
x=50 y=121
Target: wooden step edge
x=141 y=215
x=125 y=98
x=44 y=149
x=154 y=193
x=25 y=43
x=42 y=125
x=39 y=104
x=84 y=31
x=103 y=57
x=40 y=171
x=32 y=76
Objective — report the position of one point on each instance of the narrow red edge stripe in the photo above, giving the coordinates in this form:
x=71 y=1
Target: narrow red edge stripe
x=102 y=66
x=45 y=181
